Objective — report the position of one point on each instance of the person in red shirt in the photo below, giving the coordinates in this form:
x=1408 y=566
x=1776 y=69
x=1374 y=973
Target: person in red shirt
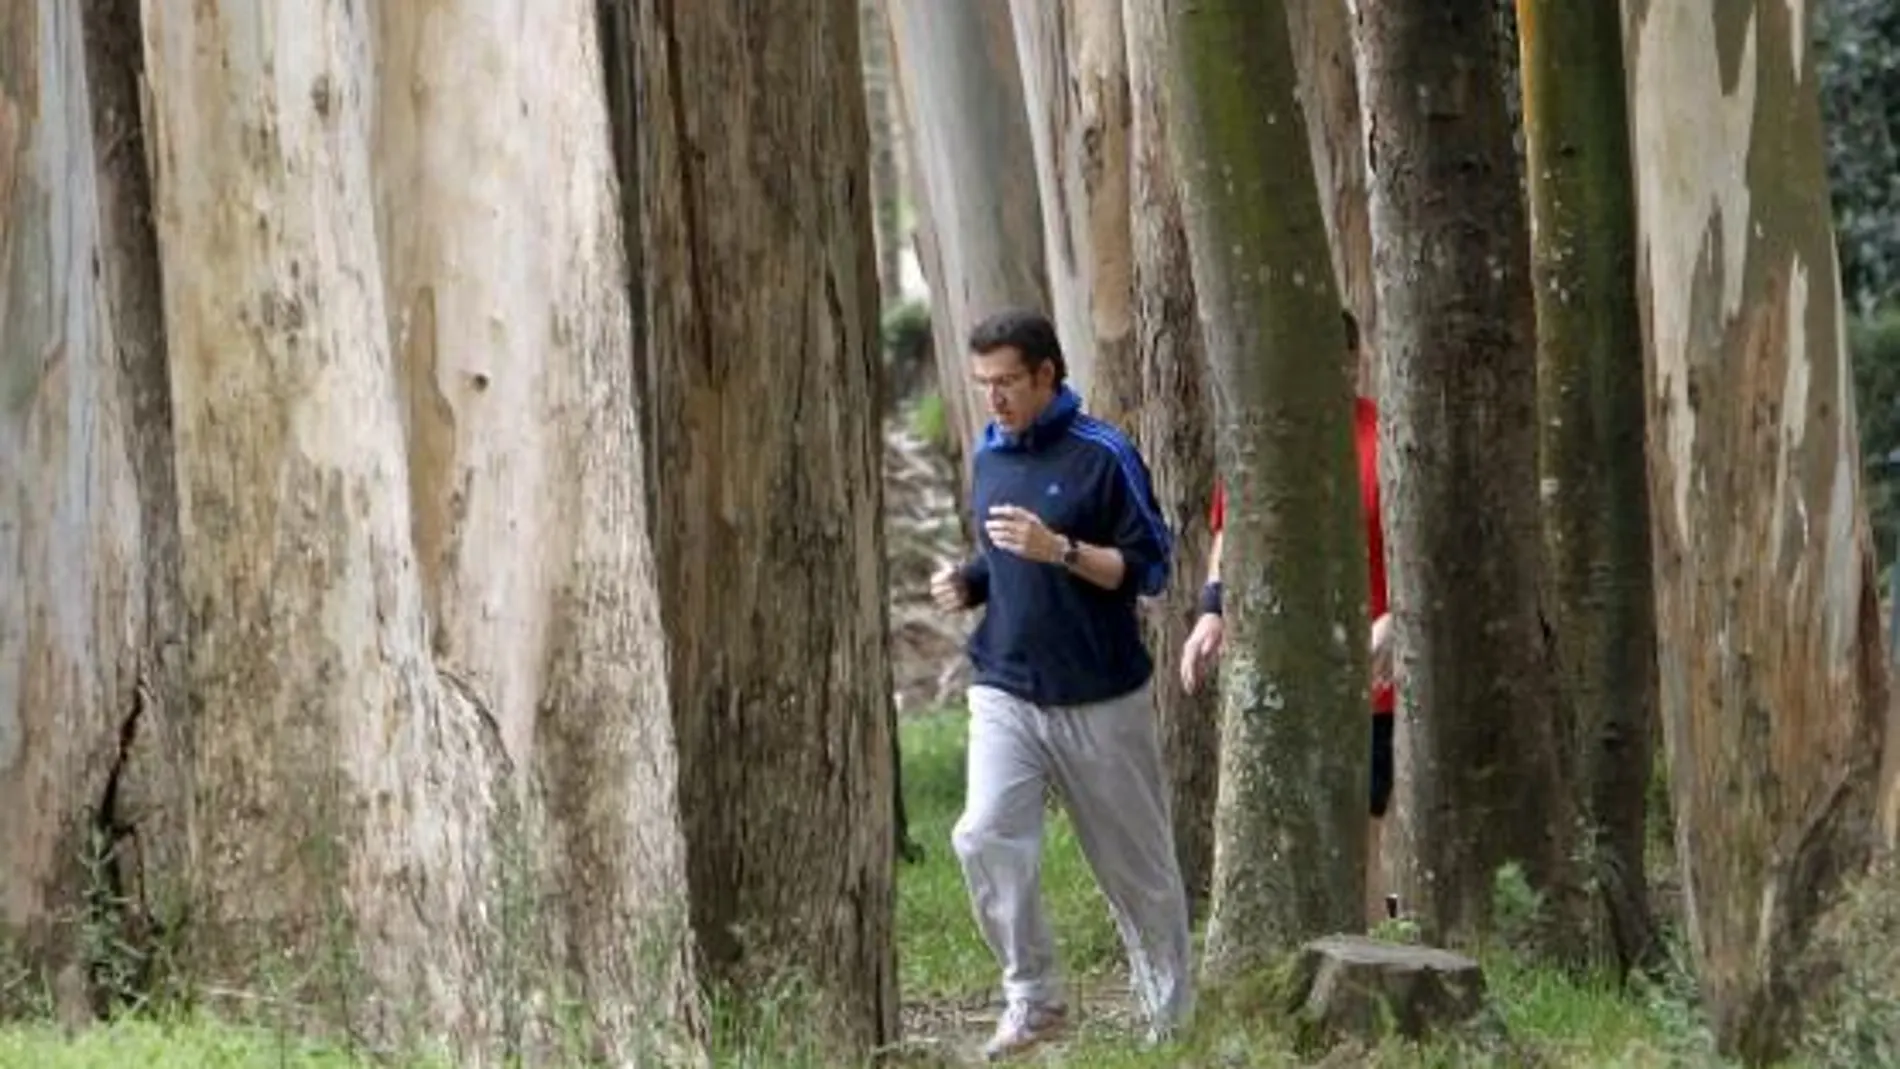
x=1203 y=646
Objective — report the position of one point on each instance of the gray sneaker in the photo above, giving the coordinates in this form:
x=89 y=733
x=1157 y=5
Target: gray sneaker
x=1022 y=1026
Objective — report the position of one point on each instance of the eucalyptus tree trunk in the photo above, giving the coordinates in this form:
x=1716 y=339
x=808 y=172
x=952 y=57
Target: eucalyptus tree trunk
x=1326 y=60
x=1075 y=86
x=1774 y=689
x=1290 y=848
x=761 y=295
x=388 y=800
x=887 y=217
x=1458 y=439
x=1595 y=484
x=880 y=110
x=519 y=420
x=963 y=100
x=1177 y=437
x=93 y=841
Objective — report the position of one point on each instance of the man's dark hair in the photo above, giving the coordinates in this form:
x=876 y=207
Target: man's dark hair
x=1029 y=333
x=1352 y=329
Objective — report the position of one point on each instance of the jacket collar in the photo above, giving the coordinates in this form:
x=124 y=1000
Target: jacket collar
x=1049 y=425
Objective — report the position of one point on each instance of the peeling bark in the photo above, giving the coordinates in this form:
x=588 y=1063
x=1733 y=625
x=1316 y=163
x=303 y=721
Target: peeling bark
x=762 y=293
x=951 y=376
x=1774 y=700
x=1594 y=481
x=522 y=450
x=315 y=705
x=88 y=535
x=1075 y=86
x=1457 y=448
x=1176 y=435
x=434 y=783
x=1290 y=847
x=962 y=94
x=880 y=108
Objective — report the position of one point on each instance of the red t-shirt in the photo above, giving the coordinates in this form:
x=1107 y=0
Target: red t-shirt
x=1366 y=437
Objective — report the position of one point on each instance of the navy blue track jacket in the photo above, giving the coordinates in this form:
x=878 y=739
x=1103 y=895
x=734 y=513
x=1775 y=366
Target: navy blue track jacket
x=1048 y=636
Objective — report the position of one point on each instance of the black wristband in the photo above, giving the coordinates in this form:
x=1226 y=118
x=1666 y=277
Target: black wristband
x=1210 y=599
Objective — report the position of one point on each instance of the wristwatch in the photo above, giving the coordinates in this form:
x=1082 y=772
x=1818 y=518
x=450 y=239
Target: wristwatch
x=1071 y=552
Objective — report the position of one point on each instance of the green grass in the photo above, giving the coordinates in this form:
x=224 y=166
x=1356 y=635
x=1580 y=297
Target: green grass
x=188 y=1044
x=930 y=420
x=941 y=956
x=949 y=980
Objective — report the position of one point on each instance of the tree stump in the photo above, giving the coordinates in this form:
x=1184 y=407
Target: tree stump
x=1348 y=986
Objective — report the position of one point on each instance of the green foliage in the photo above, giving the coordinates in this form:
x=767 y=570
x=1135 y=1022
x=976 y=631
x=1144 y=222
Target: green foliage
x=773 y=1031
x=930 y=421
x=184 y=1043
x=906 y=328
x=1858 y=1023
x=1399 y=930
x=909 y=350
x=1517 y=907
x=1874 y=343
x=1670 y=1000
x=1857 y=48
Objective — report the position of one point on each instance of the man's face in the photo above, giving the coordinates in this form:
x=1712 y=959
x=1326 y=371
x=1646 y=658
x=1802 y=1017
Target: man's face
x=1016 y=395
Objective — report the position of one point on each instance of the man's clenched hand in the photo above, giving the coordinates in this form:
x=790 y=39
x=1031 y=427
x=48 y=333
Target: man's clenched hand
x=1020 y=531
x=948 y=589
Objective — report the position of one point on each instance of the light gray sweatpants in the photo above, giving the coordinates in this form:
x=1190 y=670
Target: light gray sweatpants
x=1105 y=763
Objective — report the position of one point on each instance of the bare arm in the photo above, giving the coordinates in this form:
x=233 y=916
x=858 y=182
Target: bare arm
x=1019 y=531
x=1103 y=566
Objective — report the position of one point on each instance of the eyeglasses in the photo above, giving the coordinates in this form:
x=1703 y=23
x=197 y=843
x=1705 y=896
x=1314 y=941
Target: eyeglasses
x=1000 y=383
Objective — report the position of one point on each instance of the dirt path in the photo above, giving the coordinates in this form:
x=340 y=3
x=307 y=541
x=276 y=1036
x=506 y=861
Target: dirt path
x=951 y=1031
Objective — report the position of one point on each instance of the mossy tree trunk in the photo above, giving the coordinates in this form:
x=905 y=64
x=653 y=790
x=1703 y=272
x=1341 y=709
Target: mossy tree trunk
x=1595 y=484
x=761 y=299
x=1774 y=685
x=1177 y=436
x=1458 y=439
x=1290 y=846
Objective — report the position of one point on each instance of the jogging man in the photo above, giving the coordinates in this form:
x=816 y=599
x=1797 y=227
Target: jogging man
x=1069 y=537
x=1204 y=643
